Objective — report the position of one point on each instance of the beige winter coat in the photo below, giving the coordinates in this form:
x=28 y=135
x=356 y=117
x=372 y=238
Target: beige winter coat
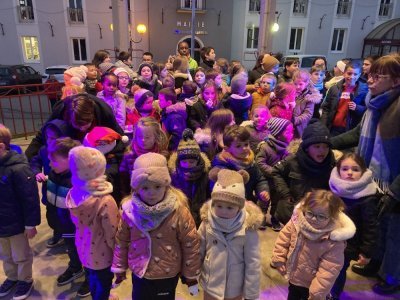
x=231 y=262
x=314 y=264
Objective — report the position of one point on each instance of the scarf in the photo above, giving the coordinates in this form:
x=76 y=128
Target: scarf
x=148 y=217
x=140 y=151
x=375 y=148
x=226 y=225
x=239 y=164
x=318 y=85
x=308 y=230
x=192 y=174
x=279 y=146
x=313 y=168
x=363 y=187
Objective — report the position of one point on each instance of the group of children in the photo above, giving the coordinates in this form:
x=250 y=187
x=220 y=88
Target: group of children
x=197 y=188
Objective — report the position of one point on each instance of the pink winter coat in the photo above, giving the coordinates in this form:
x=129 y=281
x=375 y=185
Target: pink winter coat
x=164 y=252
x=314 y=264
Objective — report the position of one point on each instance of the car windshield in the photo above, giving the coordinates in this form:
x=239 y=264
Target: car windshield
x=307 y=62
x=4 y=72
x=53 y=71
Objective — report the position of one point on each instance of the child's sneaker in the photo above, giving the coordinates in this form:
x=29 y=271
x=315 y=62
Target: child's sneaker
x=6 y=287
x=69 y=275
x=263 y=224
x=84 y=290
x=276 y=225
x=23 y=290
x=54 y=242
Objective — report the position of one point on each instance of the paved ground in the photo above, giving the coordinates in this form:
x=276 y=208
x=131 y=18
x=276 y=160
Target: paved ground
x=49 y=263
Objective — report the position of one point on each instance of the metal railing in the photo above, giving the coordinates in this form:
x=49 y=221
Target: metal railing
x=25 y=108
x=75 y=15
x=187 y=4
x=254 y=6
x=25 y=13
x=343 y=8
x=300 y=7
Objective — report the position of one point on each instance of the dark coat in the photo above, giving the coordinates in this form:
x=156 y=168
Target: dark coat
x=196 y=112
x=255 y=74
x=103 y=117
x=331 y=101
x=239 y=105
x=19 y=199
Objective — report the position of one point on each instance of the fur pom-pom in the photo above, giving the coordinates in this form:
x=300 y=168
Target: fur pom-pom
x=245 y=175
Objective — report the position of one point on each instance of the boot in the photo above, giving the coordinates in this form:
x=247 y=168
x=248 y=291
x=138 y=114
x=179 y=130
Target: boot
x=369 y=270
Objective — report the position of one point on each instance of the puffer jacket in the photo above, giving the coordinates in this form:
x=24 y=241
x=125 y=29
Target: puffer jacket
x=231 y=262
x=173 y=119
x=170 y=249
x=269 y=153
x=19 y=199
x=314 y=264
x=331 y=102
x=96 y=221
x=304 y=109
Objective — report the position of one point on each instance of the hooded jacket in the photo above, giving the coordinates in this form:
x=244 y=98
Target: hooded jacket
x=269 y=153
x=19 y=201
x=314 y=264
x=231 y=262
x=239 y=105
x=173 y=119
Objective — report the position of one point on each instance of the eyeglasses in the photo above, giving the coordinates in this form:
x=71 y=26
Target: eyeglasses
x=376 y=77
x=318 y=217
x=123 y=77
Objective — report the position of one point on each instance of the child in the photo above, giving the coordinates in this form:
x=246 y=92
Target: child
x=309 y=249
x=181 y=71
x=143 y=108
x=147 y=137
x=157 y=236
x=352 y=182
x=195 y=106
x=239 y=101
x=308 y=169
x=189 y=171
x=113 y=97
x=68 y=91
x=222 y=67
x=147 y=80
x=306 y=98
x=20 y=214
x=123 y=81
x=222 y=87
x=92 y=85
x=200 y=78
x=57 y=214
x=269 y=153
x=173 y=116
x=257 y=127
x=344 y=104
x=229 y=240
x=263 y=94
x=40 y=164
x=237 y=155
x=285 y=99
x=95 y=215
x=317 y=81
x=209 y=94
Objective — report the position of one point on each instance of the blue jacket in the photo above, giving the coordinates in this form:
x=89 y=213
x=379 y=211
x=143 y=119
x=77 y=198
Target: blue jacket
x=19 y=199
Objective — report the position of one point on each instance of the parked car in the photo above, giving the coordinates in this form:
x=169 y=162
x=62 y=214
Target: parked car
x=19 y=74
x=56 y=71
x=305 y=61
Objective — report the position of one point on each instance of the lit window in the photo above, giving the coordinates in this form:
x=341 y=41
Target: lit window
x=30 y=48
x=79 y=48
x=338 y=39
x=296 y=35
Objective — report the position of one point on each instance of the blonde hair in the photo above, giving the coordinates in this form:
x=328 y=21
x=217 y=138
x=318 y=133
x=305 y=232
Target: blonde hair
x=70 y=90
x=161 y=139
x=317 y=198
x=5 y=136
x=301 y=75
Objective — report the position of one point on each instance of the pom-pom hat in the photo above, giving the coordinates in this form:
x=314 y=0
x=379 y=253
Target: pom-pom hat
x=188 y=147
x=277 y=125
x=150 y=167
x=315 y=133
x=141 y=96
x=103 y=139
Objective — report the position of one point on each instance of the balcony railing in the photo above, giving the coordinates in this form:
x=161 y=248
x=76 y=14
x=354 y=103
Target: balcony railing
x=186 y=6
x=343 y=9
x=254 y=6
x=75 y=15
x=385 y=10
x=25 y=13
x=300 y=7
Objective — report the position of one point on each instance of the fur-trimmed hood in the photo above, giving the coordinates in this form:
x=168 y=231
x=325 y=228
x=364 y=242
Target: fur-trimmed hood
x=295 y=144
x=312 y=95
x=174 y=157
x=179 y=108
x=254 y=216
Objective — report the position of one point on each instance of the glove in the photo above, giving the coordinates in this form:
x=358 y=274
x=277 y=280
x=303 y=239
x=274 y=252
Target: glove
x=194 y=290
x=386 y=204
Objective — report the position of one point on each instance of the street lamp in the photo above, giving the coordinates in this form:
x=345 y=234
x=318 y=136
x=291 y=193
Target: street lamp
x=141 y=29
x=275 y=26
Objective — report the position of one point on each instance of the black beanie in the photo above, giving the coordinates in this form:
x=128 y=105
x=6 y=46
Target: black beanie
x=315 y=133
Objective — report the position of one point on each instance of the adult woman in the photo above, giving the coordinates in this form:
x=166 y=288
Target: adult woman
x=367 y=63
x=378 y=138
x=290 y=66
x=101 y=56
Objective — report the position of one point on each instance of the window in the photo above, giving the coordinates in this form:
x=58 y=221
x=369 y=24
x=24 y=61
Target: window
x=385 y=8
x=187 y=4
x=343 y=8
x=252 y=38
x=300 y=7
x=254 y=5
x=296 y=35
x=338 y=39
x=79 y=48
x=25 y=11
x=30 y=48
x=75 y=11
